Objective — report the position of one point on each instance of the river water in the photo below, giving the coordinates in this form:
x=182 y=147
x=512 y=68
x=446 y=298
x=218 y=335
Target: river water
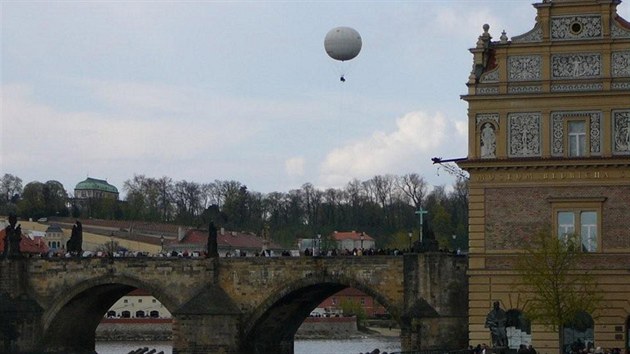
x=311 y=346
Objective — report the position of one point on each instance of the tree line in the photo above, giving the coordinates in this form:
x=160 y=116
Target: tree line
x=384 y=207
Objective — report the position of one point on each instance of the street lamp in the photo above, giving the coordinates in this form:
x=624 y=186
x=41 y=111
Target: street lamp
x=319 y=244
x=111 y=246
x=362 y=241
x=410 y=234
x=161 y=243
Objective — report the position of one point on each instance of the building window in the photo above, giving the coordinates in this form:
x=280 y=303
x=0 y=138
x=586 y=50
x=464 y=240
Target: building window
x=362 y=301
x=125 y=301
x=154 y=314
x=577 y=138
x=334 y=300
x=139 y=301
x=518 y=329
x=125 y=314
x=579 y=334
x=111 y=314
x=576 y=134
x=584 y=221
x=140 y=314
x=579 y=220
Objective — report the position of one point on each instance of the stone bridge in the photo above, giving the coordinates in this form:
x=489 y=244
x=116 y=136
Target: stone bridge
x=228 y=305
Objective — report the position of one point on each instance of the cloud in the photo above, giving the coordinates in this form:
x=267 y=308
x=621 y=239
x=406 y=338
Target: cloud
x=294 y=167
x=418 y=136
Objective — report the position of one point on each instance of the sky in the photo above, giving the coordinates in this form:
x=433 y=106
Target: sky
x=239 y=90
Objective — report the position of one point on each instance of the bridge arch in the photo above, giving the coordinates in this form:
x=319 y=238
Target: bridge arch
x=73 y=316
x=273 y=324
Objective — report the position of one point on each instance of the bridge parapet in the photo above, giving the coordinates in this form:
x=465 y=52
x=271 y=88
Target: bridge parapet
x=233 y=305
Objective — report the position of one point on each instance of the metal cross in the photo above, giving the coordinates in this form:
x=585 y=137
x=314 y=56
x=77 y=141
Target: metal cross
x=421 y=212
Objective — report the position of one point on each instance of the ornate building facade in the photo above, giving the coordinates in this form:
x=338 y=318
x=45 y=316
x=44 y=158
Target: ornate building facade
x=96 y=189
x=549 y=147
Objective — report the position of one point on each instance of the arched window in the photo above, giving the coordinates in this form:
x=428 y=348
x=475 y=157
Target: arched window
x=140 y=314
x=518 y=328
x=111 y=314
x=579 y=334
x=125 y=314
x=154 y=314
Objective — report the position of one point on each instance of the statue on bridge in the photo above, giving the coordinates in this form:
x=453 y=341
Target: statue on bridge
x=496 y=321
x=12 y=238
x=213 y=250
x=75 y=244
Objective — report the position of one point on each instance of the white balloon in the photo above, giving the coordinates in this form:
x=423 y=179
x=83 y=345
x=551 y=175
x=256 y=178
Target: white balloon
x=342 y=43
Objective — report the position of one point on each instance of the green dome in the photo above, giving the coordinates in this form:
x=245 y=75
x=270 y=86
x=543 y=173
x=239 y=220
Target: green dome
x=96 y=184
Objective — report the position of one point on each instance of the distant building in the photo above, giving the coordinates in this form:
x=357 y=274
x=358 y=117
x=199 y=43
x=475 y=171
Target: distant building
x=55 y=238
x=229 y=243
x=28 y=246
x=93 y=188
x=138 y=303
x=351 y=240
x=333 y=304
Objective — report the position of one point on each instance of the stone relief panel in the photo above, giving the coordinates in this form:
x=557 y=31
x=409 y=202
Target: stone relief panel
x=620 y=86
x=524 y=134
x=524 y=89
x=596 y=133
x=576 y=27
x=487 y=117
x=524 y=67
x=557 y=131
x=576 y=66
x=490 y=76
x=487 y=125
x=492 y=90
x=621 y=64
x=621 y=132
x=577 y=87
x=557 y=134
x=617 y=31
x=535 y=35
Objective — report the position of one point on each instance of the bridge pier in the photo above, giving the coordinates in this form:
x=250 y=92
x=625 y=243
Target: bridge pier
x=20 y=315
x=208 y=323
x=435 y=309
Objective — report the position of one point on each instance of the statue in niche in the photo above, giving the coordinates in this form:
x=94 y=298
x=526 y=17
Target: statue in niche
x=488 y=141
x=495 y=322
x=622 y=134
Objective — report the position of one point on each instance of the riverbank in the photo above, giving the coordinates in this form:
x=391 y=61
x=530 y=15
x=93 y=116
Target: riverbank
x=154 y=329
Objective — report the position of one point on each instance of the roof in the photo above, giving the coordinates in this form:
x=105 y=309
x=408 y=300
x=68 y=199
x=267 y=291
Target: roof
x=27 y=245
x=351 y=235
x=54 y=228
x=96 y=184
x=225 y=239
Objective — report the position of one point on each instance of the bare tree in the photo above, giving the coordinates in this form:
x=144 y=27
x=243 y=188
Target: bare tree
x=414 y=187
x=556 y=277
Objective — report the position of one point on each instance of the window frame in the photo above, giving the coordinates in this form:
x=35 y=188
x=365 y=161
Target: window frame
x=587 y=135
x=577 y=206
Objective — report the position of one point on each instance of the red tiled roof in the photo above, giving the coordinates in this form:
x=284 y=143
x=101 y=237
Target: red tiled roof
x=227 y=239
x=27 y=245
x=350 y=292
x=352 y=235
